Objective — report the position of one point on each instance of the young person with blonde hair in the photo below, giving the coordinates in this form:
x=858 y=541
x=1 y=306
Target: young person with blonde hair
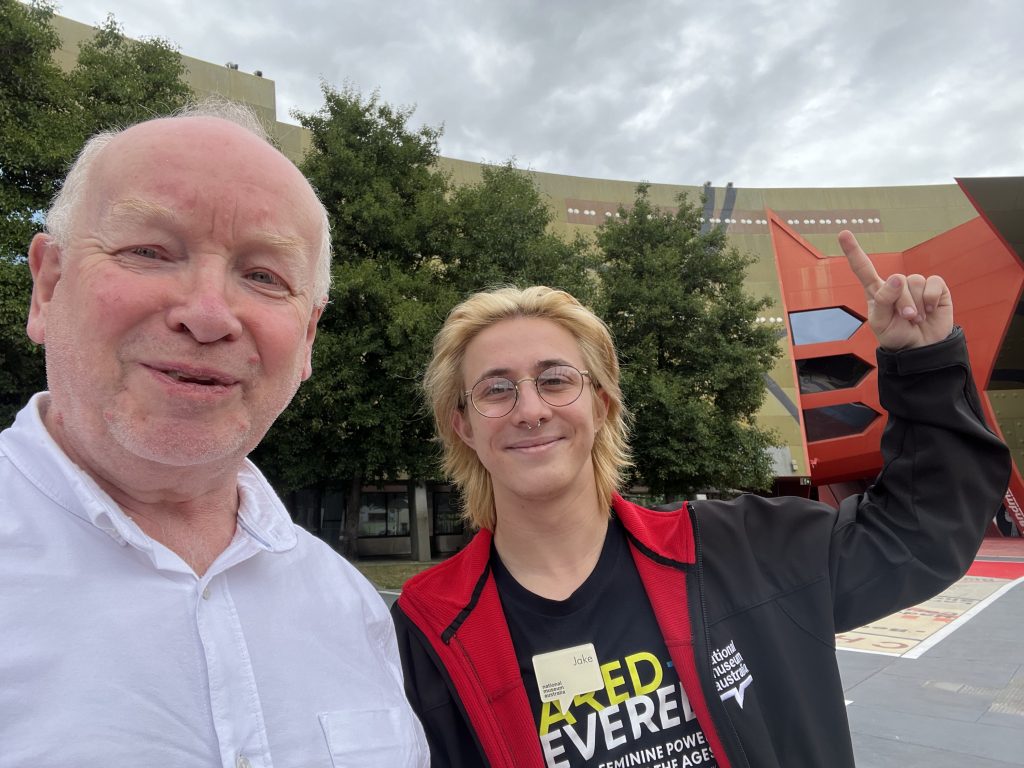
x=578 y=629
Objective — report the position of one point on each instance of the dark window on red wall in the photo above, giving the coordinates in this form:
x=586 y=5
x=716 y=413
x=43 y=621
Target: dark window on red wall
x=823 y=374
x=837 y=421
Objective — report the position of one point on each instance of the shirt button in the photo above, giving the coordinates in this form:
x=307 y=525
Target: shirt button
x=242 y=762
x=206 y=596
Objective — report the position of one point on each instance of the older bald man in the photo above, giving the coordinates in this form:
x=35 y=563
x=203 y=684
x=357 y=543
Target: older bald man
x=157 y=605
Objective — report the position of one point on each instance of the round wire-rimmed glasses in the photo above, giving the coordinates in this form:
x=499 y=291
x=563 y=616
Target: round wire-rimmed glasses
x=496 y=396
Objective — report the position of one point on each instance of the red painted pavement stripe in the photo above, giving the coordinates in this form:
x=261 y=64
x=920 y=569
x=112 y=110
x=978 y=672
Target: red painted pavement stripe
x=994 y=570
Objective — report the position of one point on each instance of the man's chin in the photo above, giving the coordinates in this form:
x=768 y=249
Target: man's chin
x=184 y=445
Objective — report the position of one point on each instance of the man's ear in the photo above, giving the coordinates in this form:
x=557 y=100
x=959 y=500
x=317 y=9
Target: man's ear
x=314 y=318
x=45 y=261
x=462 y=427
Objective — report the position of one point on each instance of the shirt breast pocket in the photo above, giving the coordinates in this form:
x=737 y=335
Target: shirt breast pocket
x=367 y=738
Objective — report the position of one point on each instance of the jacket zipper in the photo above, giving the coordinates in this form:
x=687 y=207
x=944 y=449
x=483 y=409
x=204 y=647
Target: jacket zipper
x=705 y=662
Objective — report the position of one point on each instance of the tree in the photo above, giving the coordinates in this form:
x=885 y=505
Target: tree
x=500 y=235
x=22 y=372
x=406 y=249
x=694 y=359
x=38 y=130
x=46 y=116
x=361 y=416
x=119 y=81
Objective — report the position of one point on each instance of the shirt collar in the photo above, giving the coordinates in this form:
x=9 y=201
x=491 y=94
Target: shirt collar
x=261 y=513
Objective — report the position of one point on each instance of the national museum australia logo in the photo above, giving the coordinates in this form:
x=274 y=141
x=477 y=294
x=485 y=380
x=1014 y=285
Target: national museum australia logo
x=730 y=673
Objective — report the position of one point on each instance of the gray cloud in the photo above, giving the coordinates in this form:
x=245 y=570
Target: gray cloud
x=755 y=92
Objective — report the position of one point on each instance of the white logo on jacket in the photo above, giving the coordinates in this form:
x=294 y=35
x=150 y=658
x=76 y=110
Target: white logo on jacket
x=730 y=673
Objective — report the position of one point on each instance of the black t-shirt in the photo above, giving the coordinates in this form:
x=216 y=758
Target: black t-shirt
x=641 y=716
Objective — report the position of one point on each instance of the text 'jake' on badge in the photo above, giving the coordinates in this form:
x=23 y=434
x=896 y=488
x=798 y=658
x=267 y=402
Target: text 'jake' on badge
x=566 y=673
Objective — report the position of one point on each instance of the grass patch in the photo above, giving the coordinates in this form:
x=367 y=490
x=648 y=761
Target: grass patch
x=389 y=575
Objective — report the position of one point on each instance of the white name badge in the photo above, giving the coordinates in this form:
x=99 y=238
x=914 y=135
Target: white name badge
x=566 y=673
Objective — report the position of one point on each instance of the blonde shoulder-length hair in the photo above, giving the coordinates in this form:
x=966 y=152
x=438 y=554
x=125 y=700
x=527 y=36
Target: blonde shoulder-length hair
x=444 y=387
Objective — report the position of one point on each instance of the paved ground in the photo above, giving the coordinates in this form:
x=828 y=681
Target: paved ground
x=960 y=702
x=941 y=685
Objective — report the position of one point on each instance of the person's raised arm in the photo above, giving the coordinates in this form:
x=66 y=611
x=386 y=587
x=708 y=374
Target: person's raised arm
x=917 y=528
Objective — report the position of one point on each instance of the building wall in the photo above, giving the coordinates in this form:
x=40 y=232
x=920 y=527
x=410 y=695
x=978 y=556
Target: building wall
x=886 y=220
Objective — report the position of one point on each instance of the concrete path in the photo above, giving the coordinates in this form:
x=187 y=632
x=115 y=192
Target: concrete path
x=960 y=702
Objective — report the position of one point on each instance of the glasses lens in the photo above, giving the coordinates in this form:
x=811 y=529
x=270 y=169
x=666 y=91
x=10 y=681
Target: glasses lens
x=494 y=396
x=560 y=384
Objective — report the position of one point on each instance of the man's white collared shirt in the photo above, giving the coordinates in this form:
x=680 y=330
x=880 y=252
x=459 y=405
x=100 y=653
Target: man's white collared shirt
x=114 y=653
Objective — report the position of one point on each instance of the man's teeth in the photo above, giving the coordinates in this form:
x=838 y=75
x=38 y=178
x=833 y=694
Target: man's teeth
x=179 y=376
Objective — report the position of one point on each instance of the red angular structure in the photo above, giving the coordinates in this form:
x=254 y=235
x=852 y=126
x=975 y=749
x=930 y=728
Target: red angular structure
x=843 y=423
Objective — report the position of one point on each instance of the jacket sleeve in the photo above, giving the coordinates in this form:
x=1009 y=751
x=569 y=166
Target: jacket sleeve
x=428 y=688
x=918 y=527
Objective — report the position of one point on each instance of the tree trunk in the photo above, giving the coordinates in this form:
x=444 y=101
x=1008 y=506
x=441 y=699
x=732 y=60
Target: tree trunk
x=350 y=527
x=308 y=508
x=315 y=521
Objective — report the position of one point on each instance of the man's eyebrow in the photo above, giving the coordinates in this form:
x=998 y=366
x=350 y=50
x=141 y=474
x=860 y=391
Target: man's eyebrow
x=542 y=364
x=491 y=372
x=133 y=210
x=287 y=245
x=539 y=366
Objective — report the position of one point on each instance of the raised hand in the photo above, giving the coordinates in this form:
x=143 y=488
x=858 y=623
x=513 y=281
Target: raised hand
x=904 y=311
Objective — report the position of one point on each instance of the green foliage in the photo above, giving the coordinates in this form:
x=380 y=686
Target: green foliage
x=501 y=236
x=21 y=362
x=119 y=81
x=406 y=249
x=361 y=416
x=46 y=115
x=38 y=131
x=375 y=176
x=694 y=360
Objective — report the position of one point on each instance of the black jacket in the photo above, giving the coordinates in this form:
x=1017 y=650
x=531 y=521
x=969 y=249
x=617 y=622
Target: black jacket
x=749 y=593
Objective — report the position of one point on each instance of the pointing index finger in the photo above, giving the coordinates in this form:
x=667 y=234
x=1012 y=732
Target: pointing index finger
x=860 y=263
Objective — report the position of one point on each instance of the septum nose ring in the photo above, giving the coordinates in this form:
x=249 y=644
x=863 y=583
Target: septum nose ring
x=538 y=425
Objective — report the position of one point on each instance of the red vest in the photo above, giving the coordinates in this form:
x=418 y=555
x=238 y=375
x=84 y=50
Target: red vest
x=457 y=607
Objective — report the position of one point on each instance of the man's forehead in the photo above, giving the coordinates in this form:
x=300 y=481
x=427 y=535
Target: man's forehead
x=212 y=143
x=140 y=211
x=207 y=127
x=177 y=155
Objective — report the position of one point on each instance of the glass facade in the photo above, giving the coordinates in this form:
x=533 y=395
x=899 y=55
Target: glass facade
x=384 y=514
x=819 y=325
x=447 y=514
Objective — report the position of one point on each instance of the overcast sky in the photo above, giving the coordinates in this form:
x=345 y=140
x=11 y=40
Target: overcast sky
x=804 y=93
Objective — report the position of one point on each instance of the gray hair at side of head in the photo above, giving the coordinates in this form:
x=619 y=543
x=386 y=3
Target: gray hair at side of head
x=61 y=213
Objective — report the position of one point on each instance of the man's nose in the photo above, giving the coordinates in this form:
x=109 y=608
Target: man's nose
x=530 y=406
x=204 y=306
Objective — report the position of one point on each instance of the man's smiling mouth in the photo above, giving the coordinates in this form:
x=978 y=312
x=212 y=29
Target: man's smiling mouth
x=203 y=377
